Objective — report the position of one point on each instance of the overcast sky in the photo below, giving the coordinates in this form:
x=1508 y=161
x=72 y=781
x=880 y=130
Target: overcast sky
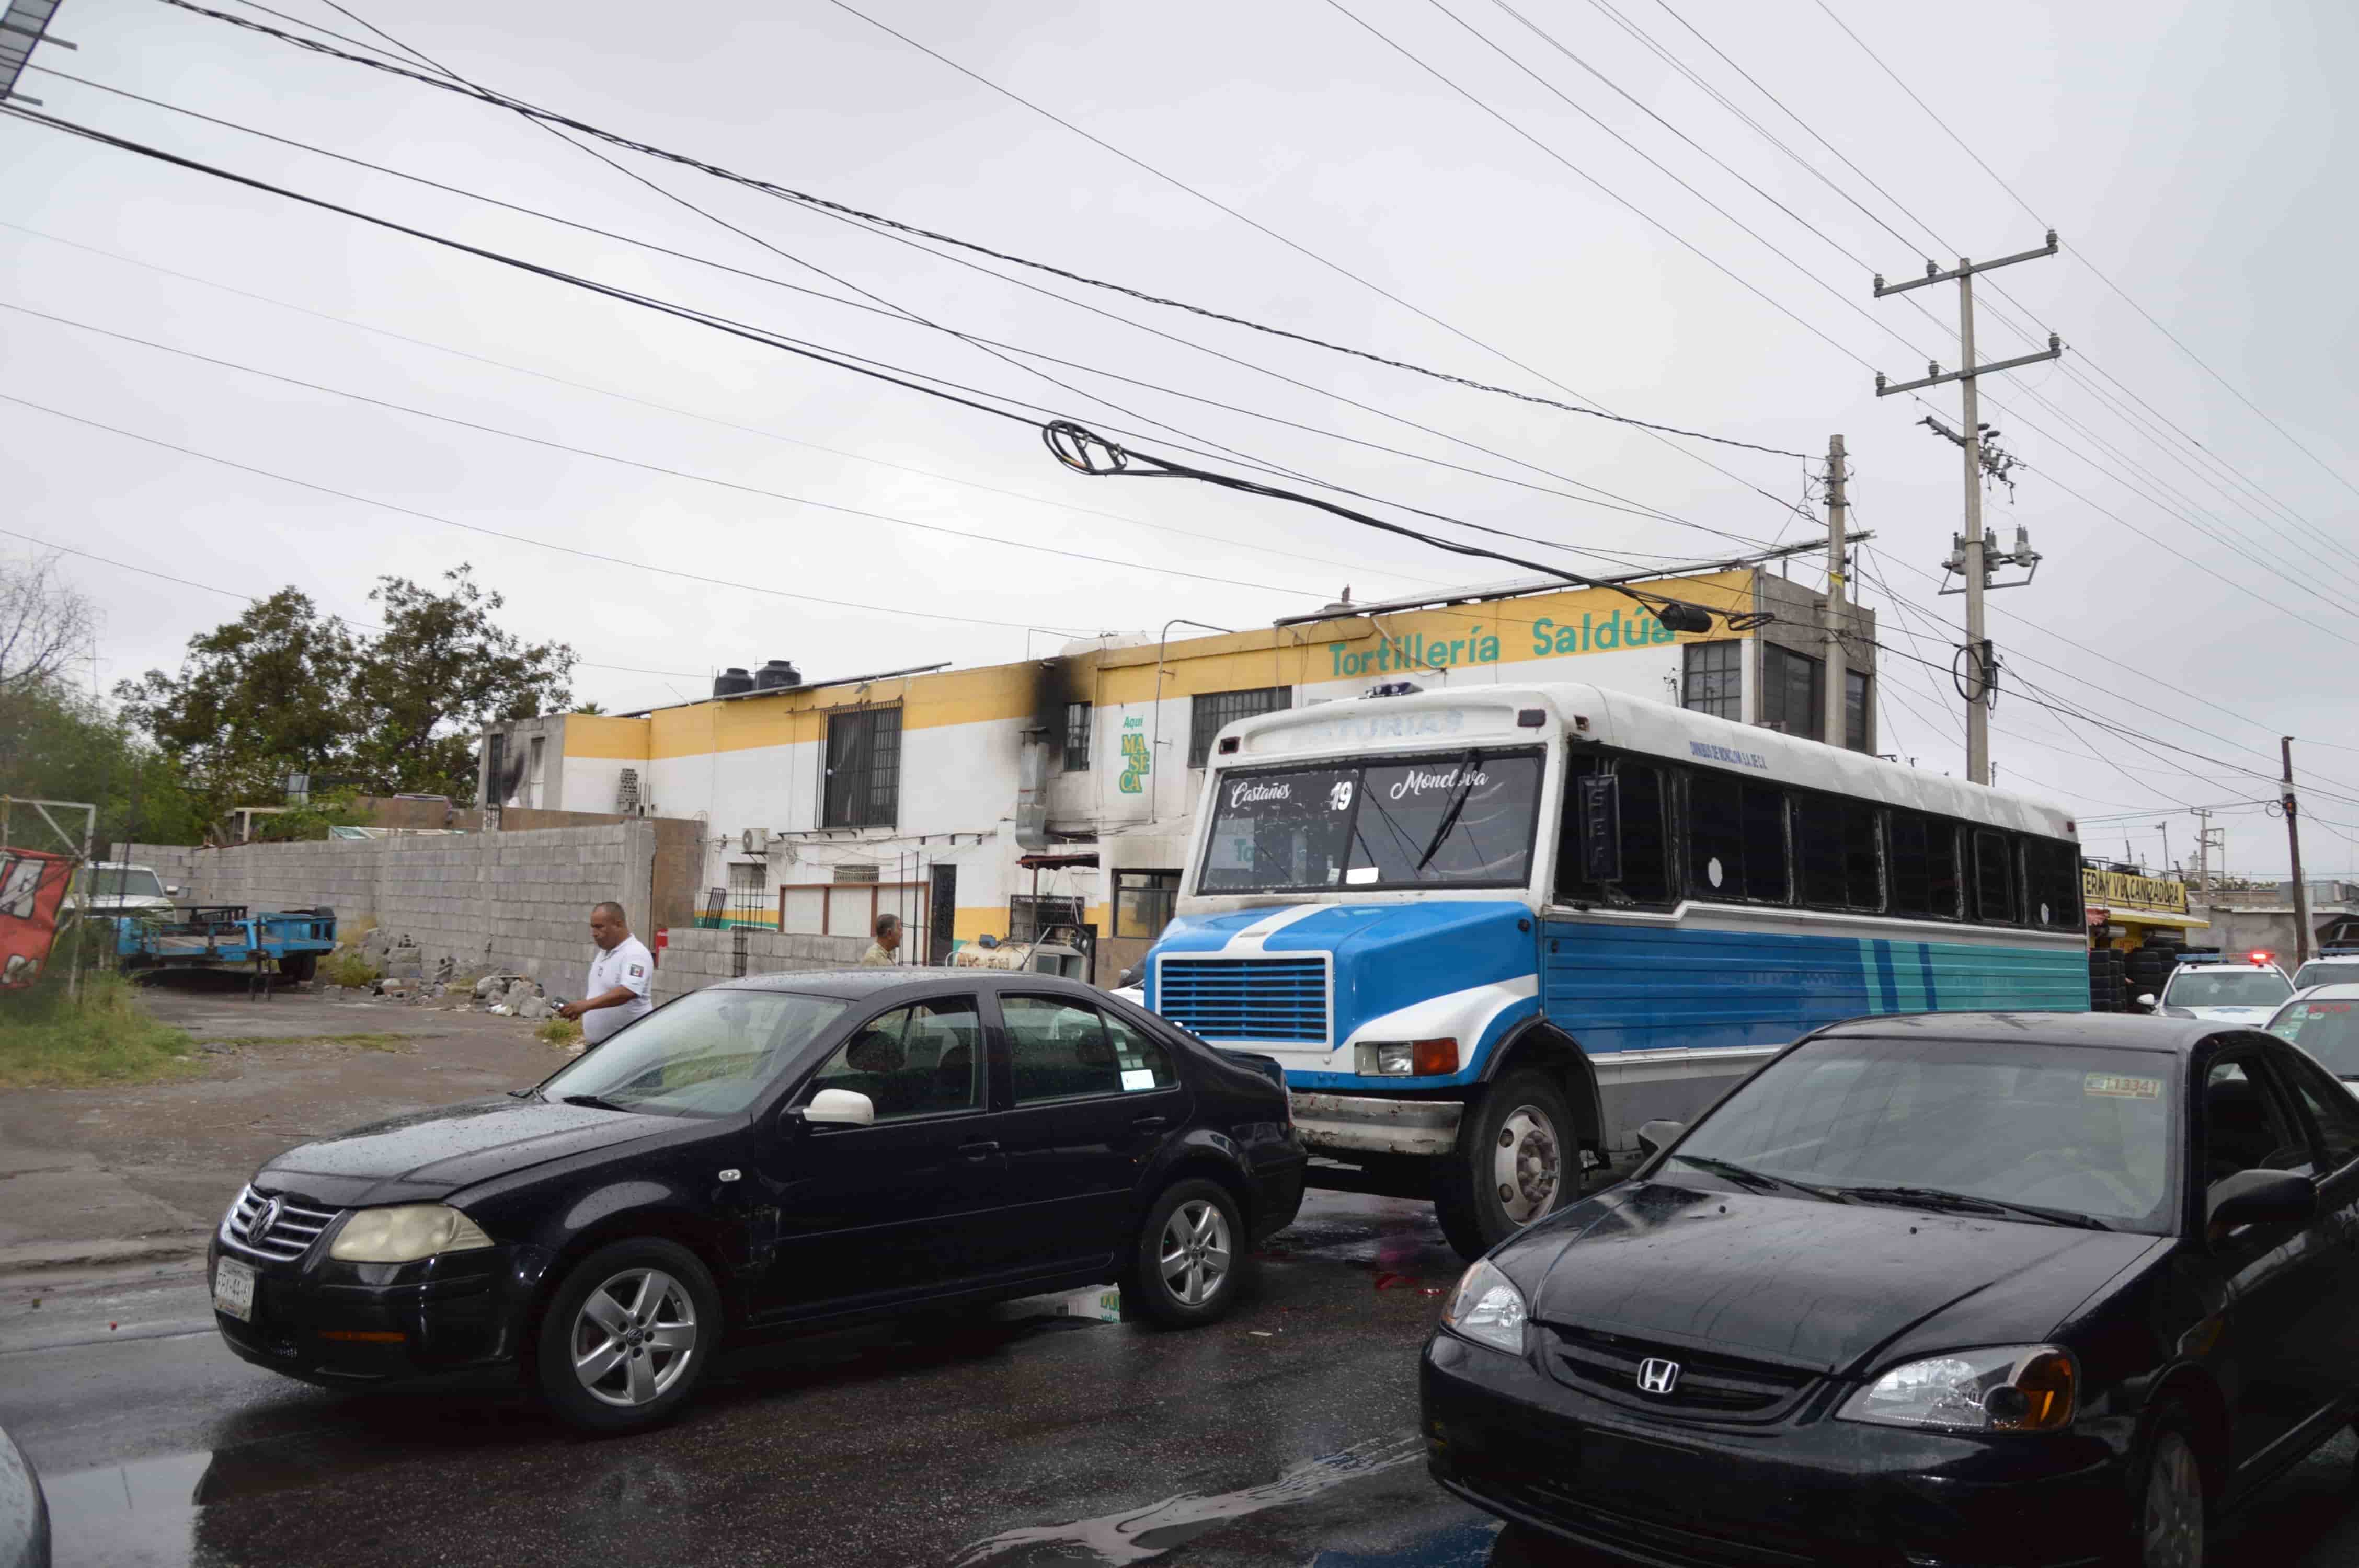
x=2192 y=155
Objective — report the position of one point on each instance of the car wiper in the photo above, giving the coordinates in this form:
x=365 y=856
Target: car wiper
x=596 y=1102
x=1759 y=1181
x=525 y=1094
x=1457 y=804
x=1967 y=1203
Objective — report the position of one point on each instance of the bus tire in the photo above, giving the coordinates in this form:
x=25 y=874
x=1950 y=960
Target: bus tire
x=1516 y=1161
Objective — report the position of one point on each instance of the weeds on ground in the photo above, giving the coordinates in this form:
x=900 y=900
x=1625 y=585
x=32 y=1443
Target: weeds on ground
x=560 y=1032
x=48 y=1040
x=378 y=1042
x=347 y=968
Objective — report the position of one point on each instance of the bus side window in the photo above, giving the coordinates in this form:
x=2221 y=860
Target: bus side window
x=1924 y=866
x=1835 y=845
x=1645 y=851
x=1994 y=902
x=2051 y=883
x=1736 y=840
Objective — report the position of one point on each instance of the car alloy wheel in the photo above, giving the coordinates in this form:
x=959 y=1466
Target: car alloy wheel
x=1527 y=1164
x=635 y=1337
x=1195 y=1258
x=2171 y=1525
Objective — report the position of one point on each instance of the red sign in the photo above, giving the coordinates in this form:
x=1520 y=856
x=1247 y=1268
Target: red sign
x=32 y=885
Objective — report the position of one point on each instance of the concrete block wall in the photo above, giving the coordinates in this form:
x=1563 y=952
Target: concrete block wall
x=694 y=959
x=512 y=900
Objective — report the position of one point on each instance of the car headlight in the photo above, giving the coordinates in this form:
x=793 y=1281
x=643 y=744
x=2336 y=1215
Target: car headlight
x=2009 y=1388
x=404 y=1233
x=1488 y=1310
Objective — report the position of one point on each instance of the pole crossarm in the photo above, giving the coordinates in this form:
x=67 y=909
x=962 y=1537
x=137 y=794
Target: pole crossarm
x=2055 y=351
x=1964 y=269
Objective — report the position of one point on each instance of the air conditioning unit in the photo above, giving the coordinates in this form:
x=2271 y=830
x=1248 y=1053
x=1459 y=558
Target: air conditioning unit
x=756 y=841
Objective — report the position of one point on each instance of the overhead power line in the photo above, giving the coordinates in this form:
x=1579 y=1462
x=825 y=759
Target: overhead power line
x=551 y=117
x=256 y=599
x=1612 y=500
x=520 y=539
x=2017 y=196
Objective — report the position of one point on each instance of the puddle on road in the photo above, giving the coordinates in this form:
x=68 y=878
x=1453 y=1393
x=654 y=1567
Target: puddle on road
x=1468 y=1545
x=1141 y=1534
x=142 y=1515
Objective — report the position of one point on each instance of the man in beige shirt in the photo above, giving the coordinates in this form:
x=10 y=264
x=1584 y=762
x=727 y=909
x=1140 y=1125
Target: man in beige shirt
x=887 y=943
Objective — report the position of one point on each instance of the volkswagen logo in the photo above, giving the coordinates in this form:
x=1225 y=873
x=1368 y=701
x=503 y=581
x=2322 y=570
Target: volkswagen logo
x=267 y=1217
x=1656 y=1376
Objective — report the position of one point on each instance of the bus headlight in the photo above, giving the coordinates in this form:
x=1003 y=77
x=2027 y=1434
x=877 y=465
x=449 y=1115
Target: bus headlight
x=1409 y=1058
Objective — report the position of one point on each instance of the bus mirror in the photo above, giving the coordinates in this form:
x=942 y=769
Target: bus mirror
x=1600 y=828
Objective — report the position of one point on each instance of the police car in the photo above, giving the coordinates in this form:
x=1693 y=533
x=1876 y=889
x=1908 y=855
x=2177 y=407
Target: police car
x=2243 y=991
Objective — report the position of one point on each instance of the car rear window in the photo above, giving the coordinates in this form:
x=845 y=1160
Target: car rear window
x=2327 y=1031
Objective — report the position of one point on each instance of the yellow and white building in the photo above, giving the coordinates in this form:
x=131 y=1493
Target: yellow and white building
x=979 y=801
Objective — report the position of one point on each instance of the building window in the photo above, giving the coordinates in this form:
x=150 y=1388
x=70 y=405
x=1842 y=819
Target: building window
x=1855 y=710
x=863 y=787
x=1076 y=737
x=1793 y=692
x=536 y=770
x=1142 y=903
x=1715 y=679
x=1029 y=914
x=1215 y=708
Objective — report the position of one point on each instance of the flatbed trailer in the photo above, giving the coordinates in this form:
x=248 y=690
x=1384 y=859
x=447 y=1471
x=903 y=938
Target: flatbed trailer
x=287 y=943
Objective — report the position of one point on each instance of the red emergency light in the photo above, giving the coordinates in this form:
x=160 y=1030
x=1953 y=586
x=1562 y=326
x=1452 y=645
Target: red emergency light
x=2261 y=957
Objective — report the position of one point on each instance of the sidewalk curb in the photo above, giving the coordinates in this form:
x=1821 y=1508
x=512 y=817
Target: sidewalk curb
x=42 y=1257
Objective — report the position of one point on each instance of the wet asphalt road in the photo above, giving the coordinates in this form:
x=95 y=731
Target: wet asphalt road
x=1286 y=1435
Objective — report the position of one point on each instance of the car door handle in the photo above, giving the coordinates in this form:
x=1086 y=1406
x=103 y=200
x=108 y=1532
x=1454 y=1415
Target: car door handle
x=979 y=1150
x=1151 y=1123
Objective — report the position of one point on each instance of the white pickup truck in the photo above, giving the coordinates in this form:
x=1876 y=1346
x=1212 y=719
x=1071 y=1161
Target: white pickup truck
x=121 y=887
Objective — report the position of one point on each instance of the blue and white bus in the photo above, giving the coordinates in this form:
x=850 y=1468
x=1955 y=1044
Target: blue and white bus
x=1490 y=932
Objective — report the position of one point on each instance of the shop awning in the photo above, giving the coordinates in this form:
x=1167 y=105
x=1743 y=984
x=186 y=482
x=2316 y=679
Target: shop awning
x=2149 y=917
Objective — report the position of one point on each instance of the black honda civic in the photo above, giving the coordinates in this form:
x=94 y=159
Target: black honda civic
x=796 y=1150
x=1962 y=1289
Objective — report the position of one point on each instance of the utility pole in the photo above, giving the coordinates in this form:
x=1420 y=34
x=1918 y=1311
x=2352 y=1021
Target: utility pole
x=1837 y=680
x=2293 y=847
x=1979 y=680
x=2203 y=831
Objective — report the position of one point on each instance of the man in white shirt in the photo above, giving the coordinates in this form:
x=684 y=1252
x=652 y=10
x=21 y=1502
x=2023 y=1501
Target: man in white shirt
x=621 y=975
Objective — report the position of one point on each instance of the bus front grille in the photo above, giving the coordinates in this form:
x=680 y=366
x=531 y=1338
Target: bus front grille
x=1271 y=999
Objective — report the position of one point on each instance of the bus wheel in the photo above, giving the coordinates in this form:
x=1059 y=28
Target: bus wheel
x=1516 y=1161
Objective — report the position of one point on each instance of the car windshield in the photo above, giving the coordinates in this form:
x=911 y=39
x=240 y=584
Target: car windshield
x=120 y=881
x=2226 y=988
x=2077 y=1131
x=711 y=1053
x=2325 y=972
x=1463 y=817
x=2328 y=1031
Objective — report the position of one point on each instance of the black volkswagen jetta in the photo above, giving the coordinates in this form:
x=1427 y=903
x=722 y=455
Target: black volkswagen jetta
x=1966 y=1289
x=807 y=1148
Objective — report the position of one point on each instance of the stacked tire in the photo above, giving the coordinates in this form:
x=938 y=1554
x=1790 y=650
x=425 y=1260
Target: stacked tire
x=2148 y=968
x=2108 y=989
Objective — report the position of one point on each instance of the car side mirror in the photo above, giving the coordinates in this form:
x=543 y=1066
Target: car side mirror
x=839 y=1107
x=172 y=891
x=2148 y=1001
x=1656 y=1136
x=2260 y=1197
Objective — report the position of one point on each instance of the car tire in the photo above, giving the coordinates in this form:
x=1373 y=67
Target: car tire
x=632 y=1362
x=1184 y=1264
x=1517 y=1162
x=299 y=968
x=2168 y=1500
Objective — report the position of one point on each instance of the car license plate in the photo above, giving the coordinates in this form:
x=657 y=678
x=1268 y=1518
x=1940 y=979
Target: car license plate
x=233 y=1288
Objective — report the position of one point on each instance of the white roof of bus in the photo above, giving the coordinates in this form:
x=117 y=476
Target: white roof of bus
x=1635 y=724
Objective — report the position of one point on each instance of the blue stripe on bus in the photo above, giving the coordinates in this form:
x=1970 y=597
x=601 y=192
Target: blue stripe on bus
x=1617 y=988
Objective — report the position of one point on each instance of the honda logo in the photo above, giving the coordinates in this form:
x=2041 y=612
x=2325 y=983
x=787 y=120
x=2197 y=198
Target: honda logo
x=1656 y=1376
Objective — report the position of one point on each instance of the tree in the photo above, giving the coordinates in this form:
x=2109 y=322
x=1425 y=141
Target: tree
x=258 y=698
x=589 y=710
x=440 y=671
x=283 y=689
x=45 y=624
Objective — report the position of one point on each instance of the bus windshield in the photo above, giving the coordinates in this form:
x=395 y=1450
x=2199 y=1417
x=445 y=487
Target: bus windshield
x=1463 y=818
